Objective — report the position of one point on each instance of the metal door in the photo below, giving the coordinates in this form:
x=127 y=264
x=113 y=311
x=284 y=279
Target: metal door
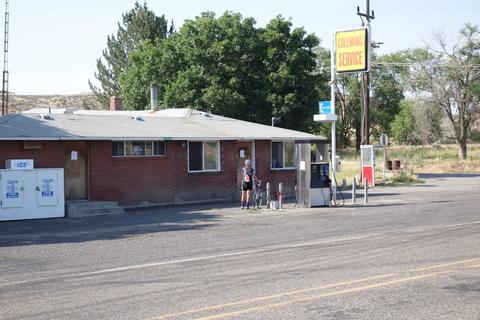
x=47 y=188
x=11 y=188
x=244 y=152
x=76 y=159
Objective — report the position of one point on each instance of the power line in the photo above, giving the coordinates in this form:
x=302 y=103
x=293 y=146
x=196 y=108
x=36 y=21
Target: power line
x=435 y=65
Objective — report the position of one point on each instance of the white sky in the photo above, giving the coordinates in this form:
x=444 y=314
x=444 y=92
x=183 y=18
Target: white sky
x=54 y=44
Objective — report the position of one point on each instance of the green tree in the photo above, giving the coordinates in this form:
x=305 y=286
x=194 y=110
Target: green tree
x=450 y=79
x=388 y=92
x=404 y=126
x=229 y=67
x=428 y=118
x=293 y=86
x=139 y=24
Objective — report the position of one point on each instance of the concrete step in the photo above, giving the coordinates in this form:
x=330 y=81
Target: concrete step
x=92 y=208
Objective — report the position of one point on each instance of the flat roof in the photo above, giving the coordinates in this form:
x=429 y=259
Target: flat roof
x=167 y=124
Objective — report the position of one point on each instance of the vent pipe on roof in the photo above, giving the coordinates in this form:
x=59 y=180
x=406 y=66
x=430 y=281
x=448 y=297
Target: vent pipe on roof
x=153 y=98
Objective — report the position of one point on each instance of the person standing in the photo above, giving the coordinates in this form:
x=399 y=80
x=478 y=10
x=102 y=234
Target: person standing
x=248 y=176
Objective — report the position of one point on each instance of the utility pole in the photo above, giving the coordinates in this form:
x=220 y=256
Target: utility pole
x=5 y=64
x=365 y=126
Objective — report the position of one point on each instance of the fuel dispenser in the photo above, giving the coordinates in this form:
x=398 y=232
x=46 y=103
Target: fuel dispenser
x=367 y=156
x=313 y=175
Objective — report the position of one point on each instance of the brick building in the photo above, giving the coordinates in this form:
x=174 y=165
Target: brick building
x=171 y=155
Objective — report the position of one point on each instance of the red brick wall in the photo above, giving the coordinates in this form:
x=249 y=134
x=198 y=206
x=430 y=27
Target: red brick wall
x=158 y=179
x=154 y=179
x=263 y=154
x=52 y=154
x=130 y=179
x=205 y=185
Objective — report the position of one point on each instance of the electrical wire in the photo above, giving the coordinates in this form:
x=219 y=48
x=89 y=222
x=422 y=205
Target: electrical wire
x=406 y=64
x=334 y=203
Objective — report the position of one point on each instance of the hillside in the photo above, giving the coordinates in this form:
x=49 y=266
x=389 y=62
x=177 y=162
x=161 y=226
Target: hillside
x=18 y=103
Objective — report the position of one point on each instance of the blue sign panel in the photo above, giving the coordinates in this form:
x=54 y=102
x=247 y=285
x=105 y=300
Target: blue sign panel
x=325 y=107
x=12 y=189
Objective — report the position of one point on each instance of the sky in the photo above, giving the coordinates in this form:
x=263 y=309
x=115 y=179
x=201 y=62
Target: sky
x=54 y=44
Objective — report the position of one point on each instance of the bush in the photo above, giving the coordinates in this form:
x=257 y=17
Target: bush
x=405 y=178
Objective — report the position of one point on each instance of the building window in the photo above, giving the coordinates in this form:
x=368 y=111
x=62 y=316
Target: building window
x=138 y=148
x=203 y=156
x=283 y=155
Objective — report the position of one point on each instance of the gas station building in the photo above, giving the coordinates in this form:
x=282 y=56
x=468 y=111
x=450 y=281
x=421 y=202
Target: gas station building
x=165 y=156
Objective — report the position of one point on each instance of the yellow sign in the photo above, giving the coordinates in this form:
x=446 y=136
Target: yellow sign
x=351 y=50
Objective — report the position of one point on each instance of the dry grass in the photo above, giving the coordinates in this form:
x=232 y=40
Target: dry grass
x=414 y=159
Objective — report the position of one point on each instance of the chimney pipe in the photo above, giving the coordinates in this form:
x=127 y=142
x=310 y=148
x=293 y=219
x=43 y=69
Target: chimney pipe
x=153 y=98
x=115 y=103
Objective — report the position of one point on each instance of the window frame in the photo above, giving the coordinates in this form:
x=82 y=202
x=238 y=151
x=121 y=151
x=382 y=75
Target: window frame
x=218 y=156
x=152 y=142
x=283 y=155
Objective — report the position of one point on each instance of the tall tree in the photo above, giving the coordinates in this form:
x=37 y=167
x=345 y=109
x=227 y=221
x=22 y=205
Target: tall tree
x=227 y=66
x=404 y=126
x=388 y=92
x=450 y=78
x=290 y=65
x=139 y=24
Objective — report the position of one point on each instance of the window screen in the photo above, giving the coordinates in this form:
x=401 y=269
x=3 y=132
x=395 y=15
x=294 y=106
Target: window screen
x=277 y=154
x=195 y=155
x=118 y=148
x=289 y=153
x=211 y=155
x=138 y=148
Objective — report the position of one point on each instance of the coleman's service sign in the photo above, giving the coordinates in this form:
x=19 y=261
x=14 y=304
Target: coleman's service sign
x=351 y=50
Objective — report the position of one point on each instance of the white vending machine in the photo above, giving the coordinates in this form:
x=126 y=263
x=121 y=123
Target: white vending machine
x=31 y=194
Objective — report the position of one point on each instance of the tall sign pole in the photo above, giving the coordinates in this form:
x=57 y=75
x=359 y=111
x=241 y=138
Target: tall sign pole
x=365 y=125
x=334 y=140
x=5 y=64
x=350 y=53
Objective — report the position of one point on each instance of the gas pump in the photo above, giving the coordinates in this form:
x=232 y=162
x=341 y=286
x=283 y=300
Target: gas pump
x=313 y=175
x=367 y=156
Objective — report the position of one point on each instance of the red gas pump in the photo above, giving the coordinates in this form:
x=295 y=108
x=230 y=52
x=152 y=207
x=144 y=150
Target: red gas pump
x=368 y=164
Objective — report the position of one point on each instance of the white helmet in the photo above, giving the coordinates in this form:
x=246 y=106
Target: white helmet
x=248 y=162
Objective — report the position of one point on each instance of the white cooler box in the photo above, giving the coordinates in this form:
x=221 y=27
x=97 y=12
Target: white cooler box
x=31 y=194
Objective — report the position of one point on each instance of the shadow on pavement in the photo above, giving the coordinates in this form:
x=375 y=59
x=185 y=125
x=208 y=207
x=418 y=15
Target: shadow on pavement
x=377 y=205
x=138 y=222
x=359 y=193
x=447 y=175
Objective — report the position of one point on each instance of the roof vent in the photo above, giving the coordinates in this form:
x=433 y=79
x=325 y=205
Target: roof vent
x=205 y=114
x=138 y=118
x=70 y=110
x=45 y=116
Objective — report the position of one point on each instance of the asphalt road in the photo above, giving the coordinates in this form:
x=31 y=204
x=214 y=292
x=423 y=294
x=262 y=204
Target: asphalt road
x=411 y=253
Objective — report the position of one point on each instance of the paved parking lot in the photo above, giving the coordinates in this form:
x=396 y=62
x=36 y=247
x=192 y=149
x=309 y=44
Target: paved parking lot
x=410 y=253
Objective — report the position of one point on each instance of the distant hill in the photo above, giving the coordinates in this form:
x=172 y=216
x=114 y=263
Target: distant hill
x=18 y=103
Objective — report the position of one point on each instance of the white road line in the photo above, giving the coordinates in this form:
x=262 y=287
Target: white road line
x=238 y=253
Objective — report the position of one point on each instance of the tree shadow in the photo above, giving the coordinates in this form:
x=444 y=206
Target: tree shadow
x=105 y=227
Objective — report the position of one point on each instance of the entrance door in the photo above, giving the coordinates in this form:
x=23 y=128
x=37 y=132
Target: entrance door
x=75 y=170
x=244 y=151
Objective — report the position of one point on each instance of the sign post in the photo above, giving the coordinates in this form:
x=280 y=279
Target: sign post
x=334 y=141
x=350 y=52
x=384 y=143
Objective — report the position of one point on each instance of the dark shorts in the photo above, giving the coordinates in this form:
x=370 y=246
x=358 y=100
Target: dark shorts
x=247 y=186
